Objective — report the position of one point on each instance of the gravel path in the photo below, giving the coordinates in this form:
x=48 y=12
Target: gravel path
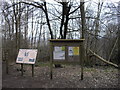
x=67 y=77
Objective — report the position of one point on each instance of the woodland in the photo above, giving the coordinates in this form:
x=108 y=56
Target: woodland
x=30 y=24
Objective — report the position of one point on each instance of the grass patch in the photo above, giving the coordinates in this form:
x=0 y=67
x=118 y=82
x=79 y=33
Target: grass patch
x=111 y=69
x=89 y=69
x=42 y=64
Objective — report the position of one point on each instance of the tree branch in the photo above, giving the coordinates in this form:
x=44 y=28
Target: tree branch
x=75 y=10
x=102 y=59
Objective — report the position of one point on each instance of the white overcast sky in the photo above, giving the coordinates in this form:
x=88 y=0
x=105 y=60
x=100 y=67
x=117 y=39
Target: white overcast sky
x=51 y=1
x=84 y=0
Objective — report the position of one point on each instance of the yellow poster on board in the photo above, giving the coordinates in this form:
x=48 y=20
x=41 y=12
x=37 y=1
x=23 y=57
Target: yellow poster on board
x=63 y=48
x=75 y=50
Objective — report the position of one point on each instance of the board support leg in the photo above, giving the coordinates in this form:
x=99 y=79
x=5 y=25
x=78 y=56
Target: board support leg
x=66 y=53
x=51 y=61
x=81 y=59
x=21 y=69
x=51 y=75
x=32 y=70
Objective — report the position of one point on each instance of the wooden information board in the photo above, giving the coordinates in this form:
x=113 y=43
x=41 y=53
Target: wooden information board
x=69 y=47
x=27 y=56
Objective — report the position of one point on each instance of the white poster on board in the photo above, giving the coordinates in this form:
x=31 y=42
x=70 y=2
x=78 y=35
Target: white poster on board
x=70 y=50
x=27 y=56
x=59 y=53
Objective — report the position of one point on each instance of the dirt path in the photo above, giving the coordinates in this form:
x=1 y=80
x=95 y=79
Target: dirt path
x=68 y=77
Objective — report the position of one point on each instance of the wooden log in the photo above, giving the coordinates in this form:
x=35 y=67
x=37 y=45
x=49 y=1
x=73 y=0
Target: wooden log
x=102 y=59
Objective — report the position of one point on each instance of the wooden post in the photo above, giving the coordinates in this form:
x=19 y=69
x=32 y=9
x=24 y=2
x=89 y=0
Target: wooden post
x=32 y=70
x=81 y=55
x=66 y=53
x=21 y=69
x=51 y=60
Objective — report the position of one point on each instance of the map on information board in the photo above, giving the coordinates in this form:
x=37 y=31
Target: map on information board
x=27 y=56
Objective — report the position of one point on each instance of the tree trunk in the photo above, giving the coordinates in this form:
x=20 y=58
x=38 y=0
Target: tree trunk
x=112 y=49
x=82 y=18
x=32 y=30
x=19 y=23
x=48 y=21
x=119 y=33
x=26 y=25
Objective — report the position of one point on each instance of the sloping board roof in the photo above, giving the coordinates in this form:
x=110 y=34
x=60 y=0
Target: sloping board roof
x=66 y=40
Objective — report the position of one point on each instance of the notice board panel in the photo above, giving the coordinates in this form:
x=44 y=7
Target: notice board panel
x=27 y=56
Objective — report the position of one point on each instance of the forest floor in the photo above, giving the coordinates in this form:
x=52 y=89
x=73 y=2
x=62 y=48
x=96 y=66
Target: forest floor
x=67 y=77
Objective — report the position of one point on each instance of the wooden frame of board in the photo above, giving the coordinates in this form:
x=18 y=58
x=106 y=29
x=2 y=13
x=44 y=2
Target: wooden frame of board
x=67 y=43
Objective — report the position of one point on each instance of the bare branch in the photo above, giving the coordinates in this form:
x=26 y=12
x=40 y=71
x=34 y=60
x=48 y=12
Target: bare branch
x=102 y=59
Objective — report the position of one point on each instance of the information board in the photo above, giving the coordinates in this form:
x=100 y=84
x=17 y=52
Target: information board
x=27 y=56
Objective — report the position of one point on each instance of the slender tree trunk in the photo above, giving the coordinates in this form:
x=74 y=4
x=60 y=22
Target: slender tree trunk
x=26 y=25
x=97 y=25
x=97 y=28
x=5 y=43
x=82 y=18
x=32 y=31
x=112 y=49
x=119 y=34
x=48 y=21
x=62 y=21
x=15 y=11
x=36 y=34
x=82 y=48
x=66 y=25
x=19 y=23
x=40 y=30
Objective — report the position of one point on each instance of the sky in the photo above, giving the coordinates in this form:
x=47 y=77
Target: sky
x=52 y=1
x=64 y=0
x=82 y=0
